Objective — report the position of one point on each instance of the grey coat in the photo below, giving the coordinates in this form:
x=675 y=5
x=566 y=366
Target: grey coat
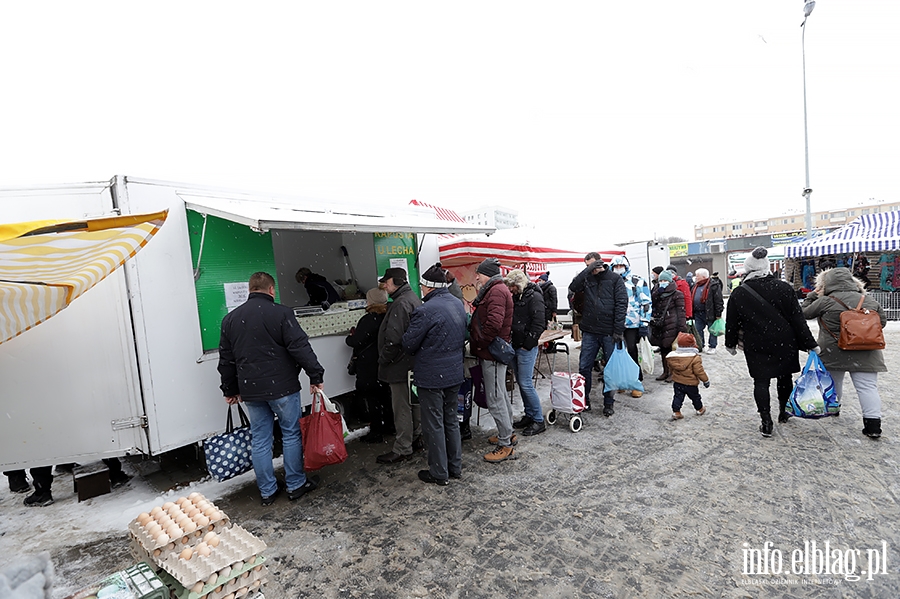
x=839 y=283
x=393 y=363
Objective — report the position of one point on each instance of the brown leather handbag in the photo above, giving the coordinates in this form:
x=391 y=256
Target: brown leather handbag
x=860 y=328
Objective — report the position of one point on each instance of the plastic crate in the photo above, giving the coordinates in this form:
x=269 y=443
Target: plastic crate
x=137 y=582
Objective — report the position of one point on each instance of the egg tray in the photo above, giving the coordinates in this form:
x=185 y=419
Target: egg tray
x=236 y=544
x=143 y=537
x=225 y=585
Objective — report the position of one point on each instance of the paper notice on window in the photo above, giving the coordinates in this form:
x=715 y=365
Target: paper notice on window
x=400 y=263
x=236 y=294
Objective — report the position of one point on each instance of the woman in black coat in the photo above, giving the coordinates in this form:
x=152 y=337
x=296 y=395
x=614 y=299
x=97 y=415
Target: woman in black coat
x=369 y=390
x=527 y=325
x=765 y=312
x=667 y=319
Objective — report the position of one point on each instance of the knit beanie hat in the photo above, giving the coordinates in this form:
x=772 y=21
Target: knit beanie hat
x=489 y=268
x=757 y=261
x=434 y=277
x=376 y=296
x=672 y=268
x=544 y=277
x=665 y=276
x=685 y=340
x=657 y=269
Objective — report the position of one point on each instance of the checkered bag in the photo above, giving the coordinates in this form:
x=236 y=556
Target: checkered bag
x=228 y=454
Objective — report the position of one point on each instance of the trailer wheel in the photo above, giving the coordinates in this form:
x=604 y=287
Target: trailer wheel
x=550 y=417
x=575 y=424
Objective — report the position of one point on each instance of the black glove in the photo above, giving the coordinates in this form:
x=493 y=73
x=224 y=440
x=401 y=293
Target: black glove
x=618 y=339
x=644 y=331
x=706 y=384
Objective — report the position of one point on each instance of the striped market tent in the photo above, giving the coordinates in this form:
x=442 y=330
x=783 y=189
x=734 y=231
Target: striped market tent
x=878 y=232
x=46 y=265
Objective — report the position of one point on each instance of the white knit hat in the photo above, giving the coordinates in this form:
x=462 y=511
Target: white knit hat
x=757 y=261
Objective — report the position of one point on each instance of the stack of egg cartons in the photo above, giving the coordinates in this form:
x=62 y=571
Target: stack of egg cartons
x=198 y=552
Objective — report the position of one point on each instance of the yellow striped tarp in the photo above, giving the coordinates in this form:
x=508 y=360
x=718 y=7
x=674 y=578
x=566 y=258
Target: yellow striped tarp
x=45 y=265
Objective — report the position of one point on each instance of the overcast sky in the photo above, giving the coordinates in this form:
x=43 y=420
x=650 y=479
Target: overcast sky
x=602 y=121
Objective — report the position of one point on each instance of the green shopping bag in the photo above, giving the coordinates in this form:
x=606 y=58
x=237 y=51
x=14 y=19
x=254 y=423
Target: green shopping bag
x=717 y=328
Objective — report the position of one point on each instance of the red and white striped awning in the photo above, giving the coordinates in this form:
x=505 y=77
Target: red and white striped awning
x=441 y=213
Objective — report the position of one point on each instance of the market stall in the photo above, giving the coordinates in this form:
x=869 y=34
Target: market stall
x=521 y=248
x=869 y=246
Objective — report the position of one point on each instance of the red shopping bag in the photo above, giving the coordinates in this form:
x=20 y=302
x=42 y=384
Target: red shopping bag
x=323 y=435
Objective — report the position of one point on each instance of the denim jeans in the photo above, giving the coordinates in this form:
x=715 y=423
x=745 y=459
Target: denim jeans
x=702 y=324
x=590 y=345
x=262 y=423
x=524 y=365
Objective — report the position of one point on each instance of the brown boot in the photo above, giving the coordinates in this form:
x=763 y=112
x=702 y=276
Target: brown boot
x=501 y=454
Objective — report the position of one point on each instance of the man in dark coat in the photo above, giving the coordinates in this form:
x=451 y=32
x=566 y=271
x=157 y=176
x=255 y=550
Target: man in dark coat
x=602 y=321
x=765 y=311
x=261 y=352
x=394 y=365
x=708 y=305
x=436 y=337
x=320 y=291
x=548 y=291
x=492 y=318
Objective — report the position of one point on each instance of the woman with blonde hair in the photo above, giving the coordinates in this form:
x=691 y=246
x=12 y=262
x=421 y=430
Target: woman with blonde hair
x=527 y=325
x=838 y=290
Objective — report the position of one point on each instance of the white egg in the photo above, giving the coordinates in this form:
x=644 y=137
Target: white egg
x=162 y=539
x=167 y=505
x=212 y=579
x=155 y=511
x=189 y=526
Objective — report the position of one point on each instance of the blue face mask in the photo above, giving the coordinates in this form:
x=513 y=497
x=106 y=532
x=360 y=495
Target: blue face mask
x=663 y=284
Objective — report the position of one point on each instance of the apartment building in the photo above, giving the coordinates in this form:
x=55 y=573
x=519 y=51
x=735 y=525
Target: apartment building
x=790 y=223
x=493 y=216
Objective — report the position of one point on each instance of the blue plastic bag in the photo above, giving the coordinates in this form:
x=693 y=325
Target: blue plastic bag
x=814 y=395
x=621 y=372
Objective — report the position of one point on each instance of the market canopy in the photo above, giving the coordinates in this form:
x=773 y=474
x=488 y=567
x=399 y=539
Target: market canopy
x=878 y=232
x=45 y=265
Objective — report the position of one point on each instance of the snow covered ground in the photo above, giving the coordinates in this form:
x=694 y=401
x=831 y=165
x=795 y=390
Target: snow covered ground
x=646 y=493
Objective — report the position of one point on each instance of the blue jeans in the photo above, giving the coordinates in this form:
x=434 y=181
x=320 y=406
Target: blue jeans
x=524 y=365
x=701 y=322
x=590 y=345
x=262 y=423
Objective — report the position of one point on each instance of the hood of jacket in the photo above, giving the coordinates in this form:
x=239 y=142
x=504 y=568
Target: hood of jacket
x=838 y=279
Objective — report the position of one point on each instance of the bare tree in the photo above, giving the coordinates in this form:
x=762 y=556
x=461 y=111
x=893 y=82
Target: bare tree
x=672 y=239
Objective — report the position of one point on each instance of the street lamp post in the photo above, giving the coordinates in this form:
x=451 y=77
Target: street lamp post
x=808 y=7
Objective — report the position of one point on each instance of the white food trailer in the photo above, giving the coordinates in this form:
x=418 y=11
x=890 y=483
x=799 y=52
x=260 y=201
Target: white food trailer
x=130 y=367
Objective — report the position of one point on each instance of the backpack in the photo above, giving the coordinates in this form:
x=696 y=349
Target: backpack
x=860 y=328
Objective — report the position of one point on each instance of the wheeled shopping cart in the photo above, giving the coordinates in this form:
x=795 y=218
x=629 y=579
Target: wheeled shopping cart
x=566 y=394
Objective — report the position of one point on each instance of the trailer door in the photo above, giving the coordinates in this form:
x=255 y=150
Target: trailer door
x=70 y=386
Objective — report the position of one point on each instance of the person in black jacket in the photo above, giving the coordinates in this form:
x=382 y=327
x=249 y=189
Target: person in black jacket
x=319 y=290
x=261 y=352
x=602 y=321
x=548 y=290
x=527 y=325
x=764 y=314
x=706 y=294
x=375 y=394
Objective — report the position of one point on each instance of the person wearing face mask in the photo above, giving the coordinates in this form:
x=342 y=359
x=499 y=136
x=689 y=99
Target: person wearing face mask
x=667 y=319
x=637 y=318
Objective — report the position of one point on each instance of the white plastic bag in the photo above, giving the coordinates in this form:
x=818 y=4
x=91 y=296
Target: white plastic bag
x=645 y=356
x=330 y=407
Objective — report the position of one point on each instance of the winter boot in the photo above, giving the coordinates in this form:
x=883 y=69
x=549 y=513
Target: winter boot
x=18 y=482
x=872 y=427
x=766 y=425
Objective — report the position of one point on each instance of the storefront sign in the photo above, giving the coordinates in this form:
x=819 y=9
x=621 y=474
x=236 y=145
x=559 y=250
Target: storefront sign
x=678 y=249
x=397 y=250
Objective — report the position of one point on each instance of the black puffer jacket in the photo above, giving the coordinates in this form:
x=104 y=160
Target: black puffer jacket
x=262 y=349
x=528 y=317
x=668 y=317
x=773 y=334
x=364 y=341
x=605 y=301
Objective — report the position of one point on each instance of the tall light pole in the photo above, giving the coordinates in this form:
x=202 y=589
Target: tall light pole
x=808 y=7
